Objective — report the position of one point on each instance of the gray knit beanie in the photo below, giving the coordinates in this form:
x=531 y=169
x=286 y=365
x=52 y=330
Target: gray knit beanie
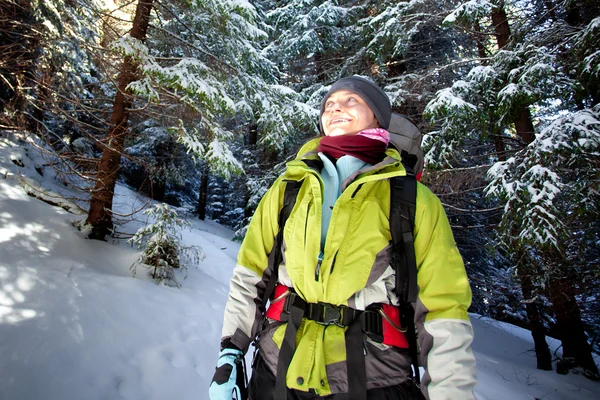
x=372 y=94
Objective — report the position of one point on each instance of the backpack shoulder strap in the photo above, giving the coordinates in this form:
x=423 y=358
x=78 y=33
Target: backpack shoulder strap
x=275 y=257
x=403 y=191
x=403 y=202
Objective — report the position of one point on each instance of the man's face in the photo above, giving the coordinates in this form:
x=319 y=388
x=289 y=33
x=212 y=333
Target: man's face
x=346 y=113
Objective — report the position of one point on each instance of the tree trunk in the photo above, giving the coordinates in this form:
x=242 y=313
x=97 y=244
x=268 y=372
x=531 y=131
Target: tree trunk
x=500 y=147
x=479 y=40
x=252 y=135
x=252 y=141
x=551 y=7
x=570 y=326
x=99 y=216
x=502 y=28
x=201 y=209
x=319 y=70
x=581 y=12
x=576 y=349
x=524 y=124
x=21 y=46
x=542 y=352
x=159 y=189
x=572 y=11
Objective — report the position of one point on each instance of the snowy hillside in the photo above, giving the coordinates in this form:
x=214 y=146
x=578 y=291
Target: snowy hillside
x=75 y=324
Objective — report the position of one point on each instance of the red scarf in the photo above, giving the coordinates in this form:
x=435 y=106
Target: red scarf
x=364 y=148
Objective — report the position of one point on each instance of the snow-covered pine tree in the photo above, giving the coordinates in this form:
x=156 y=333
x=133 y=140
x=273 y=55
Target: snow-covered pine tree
x=549 y=187
x=198 y=68
x=162 y=249
x=525 y=77
x=54 y=83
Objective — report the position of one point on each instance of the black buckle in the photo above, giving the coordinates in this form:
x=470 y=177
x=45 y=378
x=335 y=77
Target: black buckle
x=292 y=300
x=372 y=325
x=330 y=315
x=322 y=313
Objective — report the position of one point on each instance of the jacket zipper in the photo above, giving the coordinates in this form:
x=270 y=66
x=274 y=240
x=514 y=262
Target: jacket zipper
x=320 y=257
x=306 y=222
x=356 y=190
x=318 y=269
x=333 y=262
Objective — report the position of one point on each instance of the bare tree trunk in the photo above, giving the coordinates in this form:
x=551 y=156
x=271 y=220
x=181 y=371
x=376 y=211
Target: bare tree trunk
x=99 y=216
x=542 y=352
x=201 y=209
x=252 y=142
x=571 y=331
x=253 y=135
x=502 y=28
x=573 y=15
x=500 y=147
x=479 y=40
x=551 y=9
x=319 y=70
x=159 y=189
x=20 y=49
x=523 y=122
x=524 y=125
x=576 y=349
x=524 y=128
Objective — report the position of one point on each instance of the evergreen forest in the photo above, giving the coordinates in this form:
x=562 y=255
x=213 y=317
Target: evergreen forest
x=200 y=103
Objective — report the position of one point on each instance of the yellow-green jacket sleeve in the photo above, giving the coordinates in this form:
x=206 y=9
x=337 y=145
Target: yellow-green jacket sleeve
x=244 y=306
x=444 y=330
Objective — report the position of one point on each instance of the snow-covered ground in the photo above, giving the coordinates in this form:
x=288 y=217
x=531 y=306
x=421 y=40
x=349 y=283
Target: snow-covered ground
x=75 y=324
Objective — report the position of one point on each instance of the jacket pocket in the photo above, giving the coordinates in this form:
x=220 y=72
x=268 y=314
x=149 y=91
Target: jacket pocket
x=386 y=365
x=267 y=346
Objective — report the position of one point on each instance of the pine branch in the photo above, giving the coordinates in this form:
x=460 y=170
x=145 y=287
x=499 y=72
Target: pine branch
x=206 y=51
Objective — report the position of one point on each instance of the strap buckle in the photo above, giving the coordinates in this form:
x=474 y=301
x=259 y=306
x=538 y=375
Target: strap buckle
x=322 y=313
x=372 y=325
x=292 y=300
x=330 y=315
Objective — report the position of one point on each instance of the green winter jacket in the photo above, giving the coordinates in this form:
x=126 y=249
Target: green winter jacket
x=354 y=271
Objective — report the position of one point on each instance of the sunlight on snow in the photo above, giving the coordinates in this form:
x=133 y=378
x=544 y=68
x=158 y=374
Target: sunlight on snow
x=13 y=192
x=9 y=231
x=12 y=294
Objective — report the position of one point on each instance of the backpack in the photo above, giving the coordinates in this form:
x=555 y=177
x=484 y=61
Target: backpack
x=406 y=138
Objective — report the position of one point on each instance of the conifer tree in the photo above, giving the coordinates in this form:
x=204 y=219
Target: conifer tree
x=201 y=60
x=102 y=196
x=525 y=74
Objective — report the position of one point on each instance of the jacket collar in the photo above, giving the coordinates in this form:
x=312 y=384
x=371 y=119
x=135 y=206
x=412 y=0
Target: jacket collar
x=309 y=150
x=308 y=155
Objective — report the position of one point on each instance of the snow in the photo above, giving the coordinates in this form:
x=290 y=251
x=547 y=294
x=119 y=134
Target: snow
x=75 y=324
x=482 y=73
x=470 y=10
x=130 y=46
x=509 y=91
x=221 y=159
x=446 y=98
